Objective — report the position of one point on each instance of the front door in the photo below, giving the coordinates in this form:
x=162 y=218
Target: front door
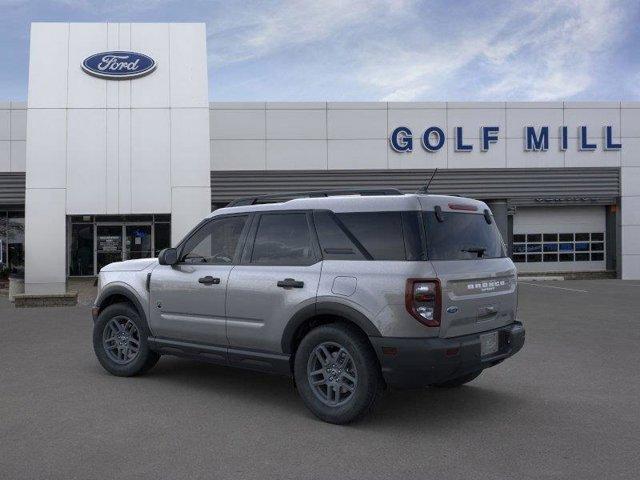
x=137 y=242
x=188 y=300
x=280 y=273
x=108 y=245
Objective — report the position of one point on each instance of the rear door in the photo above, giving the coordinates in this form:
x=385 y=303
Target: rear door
x=278 y=275
x=477 y=279
x=187 y=300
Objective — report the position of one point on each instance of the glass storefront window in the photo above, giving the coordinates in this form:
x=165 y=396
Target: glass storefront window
x=81 y=252
x=107 y=239
x=15 y=242
x=163 y=237
x=4 y=266
x=138 y=241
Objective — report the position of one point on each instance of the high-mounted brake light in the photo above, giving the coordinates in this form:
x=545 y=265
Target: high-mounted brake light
x=463 y=206
x=423 y=301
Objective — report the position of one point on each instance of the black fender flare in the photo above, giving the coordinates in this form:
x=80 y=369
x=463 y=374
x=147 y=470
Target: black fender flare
x=111 y=290
x=326 y=308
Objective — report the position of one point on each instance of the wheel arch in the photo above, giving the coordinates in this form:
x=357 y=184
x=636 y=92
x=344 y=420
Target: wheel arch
x=112 y=294
x=323 y=313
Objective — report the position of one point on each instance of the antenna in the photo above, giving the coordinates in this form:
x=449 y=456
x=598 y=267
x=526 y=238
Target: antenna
x=425 y=188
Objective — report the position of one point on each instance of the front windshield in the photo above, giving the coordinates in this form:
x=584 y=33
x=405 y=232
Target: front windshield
x=462 y=236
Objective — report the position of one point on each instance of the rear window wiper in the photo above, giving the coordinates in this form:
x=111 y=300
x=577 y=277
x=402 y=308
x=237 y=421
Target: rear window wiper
x=477 y=250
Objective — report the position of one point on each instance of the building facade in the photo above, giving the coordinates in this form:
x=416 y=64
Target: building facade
x=95 y=169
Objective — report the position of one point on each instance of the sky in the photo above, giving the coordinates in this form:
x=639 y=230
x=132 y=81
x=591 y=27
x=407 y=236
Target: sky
x=377 y=50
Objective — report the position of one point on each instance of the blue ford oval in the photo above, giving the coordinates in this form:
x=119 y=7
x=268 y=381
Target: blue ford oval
x=118 y=65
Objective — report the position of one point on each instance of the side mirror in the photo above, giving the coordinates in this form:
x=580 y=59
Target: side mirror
x=168 y=256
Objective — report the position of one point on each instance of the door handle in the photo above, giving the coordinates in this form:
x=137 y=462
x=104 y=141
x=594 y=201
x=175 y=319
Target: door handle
x=209 y=280
x=290 y=283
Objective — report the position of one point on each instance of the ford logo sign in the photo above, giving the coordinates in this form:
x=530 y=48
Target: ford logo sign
x=118 y=65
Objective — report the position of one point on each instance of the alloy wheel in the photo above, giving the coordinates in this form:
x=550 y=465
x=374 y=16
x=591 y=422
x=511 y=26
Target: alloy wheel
x=332 y=374
x=121 y=340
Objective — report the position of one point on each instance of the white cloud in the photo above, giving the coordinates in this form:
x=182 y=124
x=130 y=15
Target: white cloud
x=247 y=33
x=548 y=50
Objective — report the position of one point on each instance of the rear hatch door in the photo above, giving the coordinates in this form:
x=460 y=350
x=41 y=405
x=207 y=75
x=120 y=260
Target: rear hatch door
x=477 y=279
x=477 y=295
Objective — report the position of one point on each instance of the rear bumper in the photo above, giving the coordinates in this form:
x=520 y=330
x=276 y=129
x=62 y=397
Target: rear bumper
x=419 y=362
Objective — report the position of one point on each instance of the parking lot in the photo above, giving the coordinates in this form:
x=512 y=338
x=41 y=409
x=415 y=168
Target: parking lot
x=568 y=406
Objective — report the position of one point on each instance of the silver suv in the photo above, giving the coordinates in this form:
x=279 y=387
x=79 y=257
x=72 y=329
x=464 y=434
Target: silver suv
x=347 y=292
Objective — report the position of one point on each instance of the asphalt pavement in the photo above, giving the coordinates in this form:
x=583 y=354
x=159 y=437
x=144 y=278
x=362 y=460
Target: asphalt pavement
x=567 y=406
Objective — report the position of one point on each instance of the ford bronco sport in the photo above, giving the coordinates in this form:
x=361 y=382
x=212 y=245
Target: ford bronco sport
x=347 y=292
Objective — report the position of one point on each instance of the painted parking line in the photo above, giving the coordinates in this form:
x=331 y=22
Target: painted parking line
x=557 y=288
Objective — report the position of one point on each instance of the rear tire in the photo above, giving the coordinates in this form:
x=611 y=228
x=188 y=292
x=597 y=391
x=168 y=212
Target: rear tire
x=459 y=381
x=120 y=341
x=337 y=373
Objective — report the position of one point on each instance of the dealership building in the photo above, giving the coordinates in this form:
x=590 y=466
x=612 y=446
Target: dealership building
x=118 y=152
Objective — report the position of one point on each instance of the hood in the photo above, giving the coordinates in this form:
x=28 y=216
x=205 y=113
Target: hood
x=130 y=265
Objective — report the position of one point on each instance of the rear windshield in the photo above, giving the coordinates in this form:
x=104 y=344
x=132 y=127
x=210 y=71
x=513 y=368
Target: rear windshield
x=462 y=236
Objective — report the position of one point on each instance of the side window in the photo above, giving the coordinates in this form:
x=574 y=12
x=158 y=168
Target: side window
x=334 y=242
x=215 y=243
x=380 y=233
x=283 y=239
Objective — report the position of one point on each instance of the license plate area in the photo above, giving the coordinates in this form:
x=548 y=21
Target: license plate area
x=489 y=343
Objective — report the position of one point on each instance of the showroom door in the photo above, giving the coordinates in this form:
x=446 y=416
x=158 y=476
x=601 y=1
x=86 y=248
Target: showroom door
x=137 y=243
x=108 y=245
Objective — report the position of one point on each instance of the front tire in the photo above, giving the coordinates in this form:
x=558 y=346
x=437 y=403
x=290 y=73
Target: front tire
x=120 y=341
x=337 y=373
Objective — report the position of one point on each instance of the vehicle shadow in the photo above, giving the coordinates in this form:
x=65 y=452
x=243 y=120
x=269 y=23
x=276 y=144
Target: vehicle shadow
x=439 y=408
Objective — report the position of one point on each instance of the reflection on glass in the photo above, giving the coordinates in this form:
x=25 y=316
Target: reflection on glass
x=519 y=248
x=138 y=241
x=81 y=258
x=163 y=237
x=15 y=241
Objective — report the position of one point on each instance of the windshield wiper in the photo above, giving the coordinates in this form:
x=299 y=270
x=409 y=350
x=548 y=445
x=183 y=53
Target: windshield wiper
x=477 y=250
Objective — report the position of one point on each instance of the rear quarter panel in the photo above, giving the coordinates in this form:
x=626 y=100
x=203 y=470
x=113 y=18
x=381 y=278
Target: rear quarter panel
x=378 y=294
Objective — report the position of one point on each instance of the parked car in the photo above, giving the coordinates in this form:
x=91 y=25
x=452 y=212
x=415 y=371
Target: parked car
x=348 y=292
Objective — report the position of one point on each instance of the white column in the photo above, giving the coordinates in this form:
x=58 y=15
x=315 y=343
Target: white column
x=630 y=191
x=630 y=221
x=45 y=241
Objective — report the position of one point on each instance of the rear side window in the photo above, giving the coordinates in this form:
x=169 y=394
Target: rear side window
x=462 y=236
x=334 y=241
x=380 y=233
x=283 y=239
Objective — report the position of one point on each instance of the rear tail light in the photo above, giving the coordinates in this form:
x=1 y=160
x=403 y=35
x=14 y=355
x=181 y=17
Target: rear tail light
x=422 y=299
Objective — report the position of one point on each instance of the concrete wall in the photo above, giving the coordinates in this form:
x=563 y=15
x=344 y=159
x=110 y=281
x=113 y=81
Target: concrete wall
x=328 y=136
x=13 y=136
x=98 y=146
x=355 y=135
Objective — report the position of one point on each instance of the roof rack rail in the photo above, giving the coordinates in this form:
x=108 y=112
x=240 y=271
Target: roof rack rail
x=314 y=193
